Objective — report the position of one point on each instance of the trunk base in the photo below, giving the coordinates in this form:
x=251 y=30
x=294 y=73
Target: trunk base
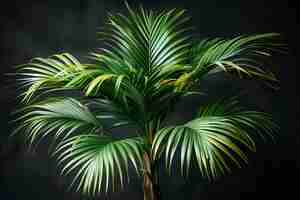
x=150 y=185
x=151 y=190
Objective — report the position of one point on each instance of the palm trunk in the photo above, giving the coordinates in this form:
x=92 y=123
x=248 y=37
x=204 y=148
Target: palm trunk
x=150 y=184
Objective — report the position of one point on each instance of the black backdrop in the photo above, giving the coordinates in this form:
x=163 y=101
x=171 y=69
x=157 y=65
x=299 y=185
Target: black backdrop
x=41 y=28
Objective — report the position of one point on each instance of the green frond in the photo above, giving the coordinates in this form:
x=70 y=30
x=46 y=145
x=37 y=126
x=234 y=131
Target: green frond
x=260 y=123
x=244 y=54
x=99 y=161
x=57 y=117
x=47 y=72
x=147 y=40
x=214 y=138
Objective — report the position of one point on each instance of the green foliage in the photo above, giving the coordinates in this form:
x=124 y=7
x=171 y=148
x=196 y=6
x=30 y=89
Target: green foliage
x=62 y=116
x=149 y=62
x=99 y=158
x=244 y=54
x=49 y=72
x=214 y=135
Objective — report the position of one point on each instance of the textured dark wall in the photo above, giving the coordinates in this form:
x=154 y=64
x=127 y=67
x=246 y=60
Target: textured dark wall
x=41 y=28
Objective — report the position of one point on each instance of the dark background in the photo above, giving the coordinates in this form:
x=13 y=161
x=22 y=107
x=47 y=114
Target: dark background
x=41 y=28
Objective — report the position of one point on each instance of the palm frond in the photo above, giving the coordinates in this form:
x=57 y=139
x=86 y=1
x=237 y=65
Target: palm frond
x=146 y=42
x=63 y=71
x=246 y=55
x=57 y=117
x=260 y=123
x=47 y=72
x=214 y=138
x=99 y=160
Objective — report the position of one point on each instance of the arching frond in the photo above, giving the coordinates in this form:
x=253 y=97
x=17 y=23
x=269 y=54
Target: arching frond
x=48 y=72
x=152 y=47
x=63 y=71
x=260 y=123
x=214 y=138
x=58 y=117
x=146 y=40
x=99 y=160
x=244 y=54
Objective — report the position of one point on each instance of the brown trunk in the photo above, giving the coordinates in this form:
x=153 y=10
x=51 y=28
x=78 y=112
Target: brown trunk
x=151 y=188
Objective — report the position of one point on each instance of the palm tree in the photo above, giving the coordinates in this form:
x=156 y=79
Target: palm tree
x=150 y=61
